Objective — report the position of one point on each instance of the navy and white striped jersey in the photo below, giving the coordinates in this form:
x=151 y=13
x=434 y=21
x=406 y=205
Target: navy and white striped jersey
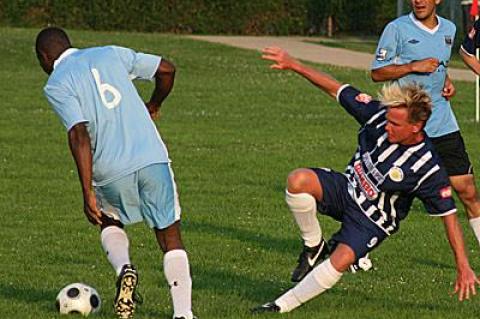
x=384 y=178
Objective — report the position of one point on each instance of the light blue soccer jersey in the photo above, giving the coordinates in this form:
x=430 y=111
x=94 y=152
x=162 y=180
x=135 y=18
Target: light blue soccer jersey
x=405 y=40
x=95 y=86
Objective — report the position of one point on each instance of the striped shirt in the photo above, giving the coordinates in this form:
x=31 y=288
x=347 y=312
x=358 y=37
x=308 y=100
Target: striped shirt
x=384 y=178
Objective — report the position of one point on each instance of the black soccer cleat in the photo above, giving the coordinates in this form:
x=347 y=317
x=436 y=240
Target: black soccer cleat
x=309 y=257
x=126 y=297
x=268 y=307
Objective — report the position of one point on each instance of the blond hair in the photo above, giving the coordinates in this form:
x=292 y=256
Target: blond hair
x=411 y=96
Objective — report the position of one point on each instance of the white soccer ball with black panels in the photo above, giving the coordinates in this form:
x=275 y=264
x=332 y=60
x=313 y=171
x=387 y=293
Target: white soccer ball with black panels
x=78 y=298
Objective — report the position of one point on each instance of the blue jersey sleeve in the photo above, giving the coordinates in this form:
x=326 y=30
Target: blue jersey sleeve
x=388 y=47
x=436 y=194
x=138 y=65
x=362 y=109
x=65 y=104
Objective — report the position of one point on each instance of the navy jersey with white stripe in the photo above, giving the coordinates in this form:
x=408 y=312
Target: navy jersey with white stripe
x=384 y=177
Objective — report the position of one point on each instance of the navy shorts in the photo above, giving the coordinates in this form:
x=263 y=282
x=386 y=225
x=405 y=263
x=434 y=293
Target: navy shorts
x=453 y=154
x=356 y=231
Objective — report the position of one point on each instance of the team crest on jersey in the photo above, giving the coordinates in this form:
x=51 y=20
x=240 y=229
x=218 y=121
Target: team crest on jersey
x=446 y=192
x=448 y=40
x=381 y=54
x=396 y=174
x=413 y=41
x=363 y=98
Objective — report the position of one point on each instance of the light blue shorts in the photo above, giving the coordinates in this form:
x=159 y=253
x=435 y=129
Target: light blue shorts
x=148 y=194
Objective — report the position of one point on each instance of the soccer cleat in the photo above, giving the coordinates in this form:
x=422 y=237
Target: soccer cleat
x=309 y=257
x=268 y=307
x=126 y=297
x=363 y=263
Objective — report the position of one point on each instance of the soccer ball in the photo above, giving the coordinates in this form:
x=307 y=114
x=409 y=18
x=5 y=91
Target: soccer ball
x=78 y=298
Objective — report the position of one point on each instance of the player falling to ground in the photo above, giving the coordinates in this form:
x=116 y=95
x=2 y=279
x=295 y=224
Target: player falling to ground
x=416 y=48
x=122 y=162
x=394 y=163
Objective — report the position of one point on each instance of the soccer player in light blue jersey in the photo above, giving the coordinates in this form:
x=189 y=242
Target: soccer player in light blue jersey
x=416 y=48
x=394 y=163
x=122 y=162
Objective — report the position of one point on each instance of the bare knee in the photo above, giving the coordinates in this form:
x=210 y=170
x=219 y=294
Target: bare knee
x=304 y=180
x=467 y=193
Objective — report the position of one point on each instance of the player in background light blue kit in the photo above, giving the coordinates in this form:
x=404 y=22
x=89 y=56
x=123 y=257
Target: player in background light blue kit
x=122 y=162
x=416 y=48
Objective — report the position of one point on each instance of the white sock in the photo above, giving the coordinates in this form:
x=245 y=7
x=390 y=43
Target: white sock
x=304 y=209
x=475 y=224
x=321 y=278
x=177 y=272
x=115 y=244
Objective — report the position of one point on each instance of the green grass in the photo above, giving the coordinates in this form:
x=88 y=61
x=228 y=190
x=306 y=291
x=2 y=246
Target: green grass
x=369 y=45
x=234 y=129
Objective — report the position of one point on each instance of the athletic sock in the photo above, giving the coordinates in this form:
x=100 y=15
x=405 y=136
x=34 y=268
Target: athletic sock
x=115 y=244
x=304 y=209
x=177 y=273
x=475 y=224
x=321 y=278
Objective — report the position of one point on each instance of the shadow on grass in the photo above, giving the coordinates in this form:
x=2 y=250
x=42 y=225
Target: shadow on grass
x=433 y=263
x=29 y=295
x=260 y=240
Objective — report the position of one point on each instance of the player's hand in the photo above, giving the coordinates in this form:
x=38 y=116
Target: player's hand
x=283 y=61
x=465 y=283
x=425 y=66
x=153 y=109
x=91 y=210
x=448 y=89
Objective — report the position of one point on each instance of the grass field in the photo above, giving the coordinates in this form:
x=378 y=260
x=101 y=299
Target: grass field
x=234 y=129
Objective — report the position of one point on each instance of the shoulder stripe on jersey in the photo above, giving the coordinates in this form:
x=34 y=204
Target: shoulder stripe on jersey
x=375 y=116
x=422 y=161
x=406 y=155
x=387 y=152
x=382 y=139
x=381 y=124
x=427 y=175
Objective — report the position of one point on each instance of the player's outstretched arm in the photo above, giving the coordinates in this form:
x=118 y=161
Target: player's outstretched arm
x=283 y=61
x=396 y=71
x=470 y=61
x=79 y=142
x=466 y=279
x=164 y=79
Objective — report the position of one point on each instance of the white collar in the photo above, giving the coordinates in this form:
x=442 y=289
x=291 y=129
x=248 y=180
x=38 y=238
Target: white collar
x=422 y=26
x=62 y=56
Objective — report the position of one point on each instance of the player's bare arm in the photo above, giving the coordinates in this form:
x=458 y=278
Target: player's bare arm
x=396 y=71
x=449 y=90
x=79 y=142
x=164 y=79
x=466 y=279
x=470 y=61
x=283 y=61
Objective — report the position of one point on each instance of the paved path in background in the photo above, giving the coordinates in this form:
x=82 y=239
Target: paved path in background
x=300 y=49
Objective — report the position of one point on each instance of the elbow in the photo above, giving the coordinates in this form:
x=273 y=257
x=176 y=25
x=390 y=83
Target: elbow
x=166 y=68
x=375 y=76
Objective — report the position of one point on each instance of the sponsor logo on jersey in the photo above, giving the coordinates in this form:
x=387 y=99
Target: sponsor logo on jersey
x=381 y=54
x=396 y=174
x=413 y=41
x=448 y=40
x=446 y=192
x=367 y=186
x=372 y=242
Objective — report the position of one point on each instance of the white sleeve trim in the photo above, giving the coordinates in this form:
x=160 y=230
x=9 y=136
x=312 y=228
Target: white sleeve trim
x=339 y=91
x=465 y=51
x=75 y=123
x=450 y=212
